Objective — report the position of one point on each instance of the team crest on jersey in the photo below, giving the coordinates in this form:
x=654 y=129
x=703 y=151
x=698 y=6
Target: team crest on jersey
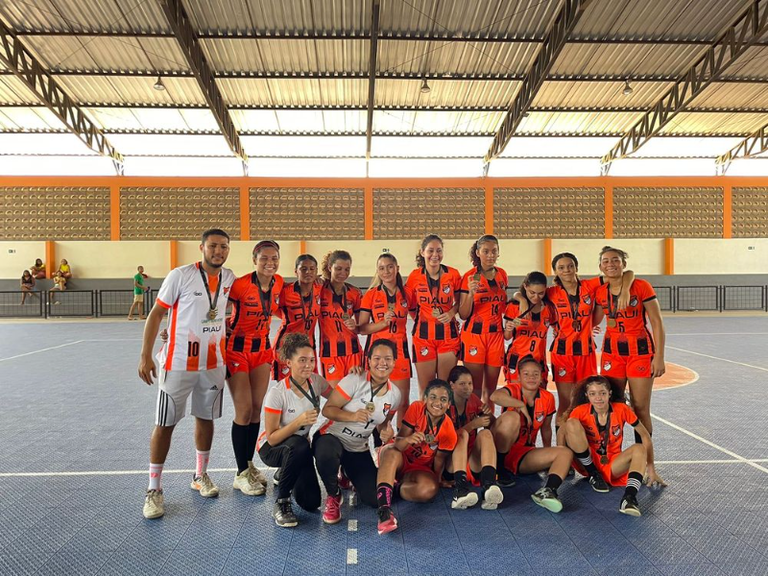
x=446 y=289
x=331 y=369
x=424 y=351
x=607 y=366
x=633 y=301
x=387 y=408
x=540 y=417
x=547 y=324
x=277 y=299
x=473 y=351
x=512 y=370
x=587 y=300
x=317 y=300
x=561 y=372
x=226 y=290
x=286 y=370
x=615 y=430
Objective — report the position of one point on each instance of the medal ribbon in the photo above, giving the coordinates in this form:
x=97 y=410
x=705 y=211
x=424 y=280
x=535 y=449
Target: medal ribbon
x=574 y=301
x=211 y=304
x=429 y=429
x=605 y=433
x=434 y=287
x=613 y=305
x=266 y=299
x=375 y=392
x=306 y=312
x=308 y=395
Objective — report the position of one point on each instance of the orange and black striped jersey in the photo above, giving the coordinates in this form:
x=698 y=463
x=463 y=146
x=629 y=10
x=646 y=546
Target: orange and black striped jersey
x=574 y=311
x=252 y=311
x=299 y=313
x=444 y=435
x=543 y=407
x=377 y=302
x=472 y=409
x=426 y=294
x=530 y=338
x=629 y=336
x=488 y=304
x=335 y=338
x=605 y=439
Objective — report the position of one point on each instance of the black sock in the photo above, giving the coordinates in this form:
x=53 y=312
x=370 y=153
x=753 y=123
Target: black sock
x=253 y=436
x=585 y=459
x=449 y=476
x=553 y=481
x=633 y=483
x=487 y=476
x=240 y=445
x=500 y=457
x=384 y=494
x=460 y=477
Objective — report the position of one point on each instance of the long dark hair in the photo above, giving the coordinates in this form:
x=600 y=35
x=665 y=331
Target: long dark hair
x=482 y=240
x=330 y=258
x=559 y=257
x=580 y=392
x=420 y=262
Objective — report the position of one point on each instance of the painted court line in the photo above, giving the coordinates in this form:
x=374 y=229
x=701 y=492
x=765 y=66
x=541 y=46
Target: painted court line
x=41 y=350
x=352 y=526
x=719 y=334
x=712 y=444
x=351 y=555
x=717 y=358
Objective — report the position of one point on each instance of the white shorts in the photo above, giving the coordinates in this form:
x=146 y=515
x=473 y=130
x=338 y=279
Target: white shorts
x=175 y=387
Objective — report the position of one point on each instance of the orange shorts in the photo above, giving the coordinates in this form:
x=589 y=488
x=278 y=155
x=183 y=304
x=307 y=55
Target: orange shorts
x=485 y=349
x=604 y=469
x=428 y=350
x=515 y=455
x=336 y=367
x=573 y=369
x=247 y=361
x=615 y=366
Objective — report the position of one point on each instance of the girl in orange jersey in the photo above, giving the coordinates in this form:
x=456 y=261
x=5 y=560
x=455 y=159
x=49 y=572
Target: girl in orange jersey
x=526 y=322
x=483 y=299
x=595 y=432
x=573 y=349
x=630 y=353
x=433 y=294
x=384 y=314
x=255 y=299
x=299 y=308
x=339 y=308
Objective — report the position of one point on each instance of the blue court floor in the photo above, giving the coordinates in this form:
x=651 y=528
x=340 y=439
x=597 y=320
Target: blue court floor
x=74 y=451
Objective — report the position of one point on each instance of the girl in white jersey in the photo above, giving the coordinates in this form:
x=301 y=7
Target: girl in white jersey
x=291 y=407
x=360 y=404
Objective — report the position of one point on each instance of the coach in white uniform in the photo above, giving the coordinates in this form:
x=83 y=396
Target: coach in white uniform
x=191 y=362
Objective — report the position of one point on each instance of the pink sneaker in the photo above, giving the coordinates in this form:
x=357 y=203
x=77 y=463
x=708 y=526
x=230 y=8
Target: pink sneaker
x=332 y=513
x=344 y=482
x=387 y=520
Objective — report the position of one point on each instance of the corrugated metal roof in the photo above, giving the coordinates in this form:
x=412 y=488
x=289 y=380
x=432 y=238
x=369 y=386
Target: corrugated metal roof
x=625 y=61
x=448 y=93
x=154 y=119
x=437 y=122
x=294 y=92
x=714 y=123
x=131 y=90
x=723 y=94
x=305 y=146
x=599 y=94
x=577 y=122
x=29 y=119
x=14 y=91
x=170 y=145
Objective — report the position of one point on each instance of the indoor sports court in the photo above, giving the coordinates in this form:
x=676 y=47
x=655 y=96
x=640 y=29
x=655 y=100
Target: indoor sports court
x=193 y=192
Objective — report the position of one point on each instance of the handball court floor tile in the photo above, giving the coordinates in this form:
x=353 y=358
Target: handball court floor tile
x=73 y=452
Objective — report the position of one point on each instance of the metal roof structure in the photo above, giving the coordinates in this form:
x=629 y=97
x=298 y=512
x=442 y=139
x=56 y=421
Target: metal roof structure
x=362 y=81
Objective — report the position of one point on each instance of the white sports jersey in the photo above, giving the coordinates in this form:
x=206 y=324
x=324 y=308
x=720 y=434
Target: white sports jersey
x=195 y=342
x=280 y=399
x=356 y=388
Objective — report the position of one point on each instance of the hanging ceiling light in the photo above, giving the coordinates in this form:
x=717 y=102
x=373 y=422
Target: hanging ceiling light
x=627 y=88
x=425 y=87
x=159 y=86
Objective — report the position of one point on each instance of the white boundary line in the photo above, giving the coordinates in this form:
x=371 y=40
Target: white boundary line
x=712 y=444
x=719 y=334
x=717 y=358
x=41 y=350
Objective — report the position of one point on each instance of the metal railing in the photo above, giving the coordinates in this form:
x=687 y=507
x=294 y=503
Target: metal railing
x=118 y=302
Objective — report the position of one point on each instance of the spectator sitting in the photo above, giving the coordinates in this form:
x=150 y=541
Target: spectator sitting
x=138 y=293
x=27 y=286
x=65 y=270
x=59 y=281
x=38 y=270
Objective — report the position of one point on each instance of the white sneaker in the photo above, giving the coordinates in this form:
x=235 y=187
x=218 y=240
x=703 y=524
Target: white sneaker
x=205 y=486
x=154 y=504
x=257 y=474
x=247 y=484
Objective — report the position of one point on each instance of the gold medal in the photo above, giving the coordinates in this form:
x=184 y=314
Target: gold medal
x=476 y=277
x=611 y=322
x=429 y=439
x=212 y=313
x=603 y=459
x=370 y=406
x=391 y=307
x=345 y=316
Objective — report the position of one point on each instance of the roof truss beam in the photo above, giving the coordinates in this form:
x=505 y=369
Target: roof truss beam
x=566 y=19
x=753 y=145
x=372 y=60
x=193 y=52
x=740 y=35
x=26 y=67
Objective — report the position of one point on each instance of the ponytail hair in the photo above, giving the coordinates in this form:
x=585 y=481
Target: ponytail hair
x=329 y=260
x=479 y=242
x=623 y=255
x=536 y=278
x=420 y=262
x=376 y=281
x=559 y=257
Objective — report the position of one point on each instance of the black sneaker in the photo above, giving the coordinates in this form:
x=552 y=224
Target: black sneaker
x=283 y=514
x=547 y=498
x=598 y=484
x=276 y=477
x=463 y=497
x=506 y=479
x=629 y=506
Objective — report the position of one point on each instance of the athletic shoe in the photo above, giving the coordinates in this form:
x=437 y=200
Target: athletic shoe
x=492 y=497
x=598 y=484
x=344 y=482
x=629 y=506
x=154 y=504
x=463 y=497
x=205 y=486
x=257 y=475
x=547 y=498
x=283 y=514
x=276 y=477
x=247 y=484
x=332 y=513
x=387 y=520
x=505 y=478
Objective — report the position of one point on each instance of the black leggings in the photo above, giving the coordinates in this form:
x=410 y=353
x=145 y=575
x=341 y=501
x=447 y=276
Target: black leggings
x=358 y=466
x=297 y=470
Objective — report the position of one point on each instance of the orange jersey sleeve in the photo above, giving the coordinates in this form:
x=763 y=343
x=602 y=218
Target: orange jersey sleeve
x=252 y=311
x=489 y=302
x=429 y=298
